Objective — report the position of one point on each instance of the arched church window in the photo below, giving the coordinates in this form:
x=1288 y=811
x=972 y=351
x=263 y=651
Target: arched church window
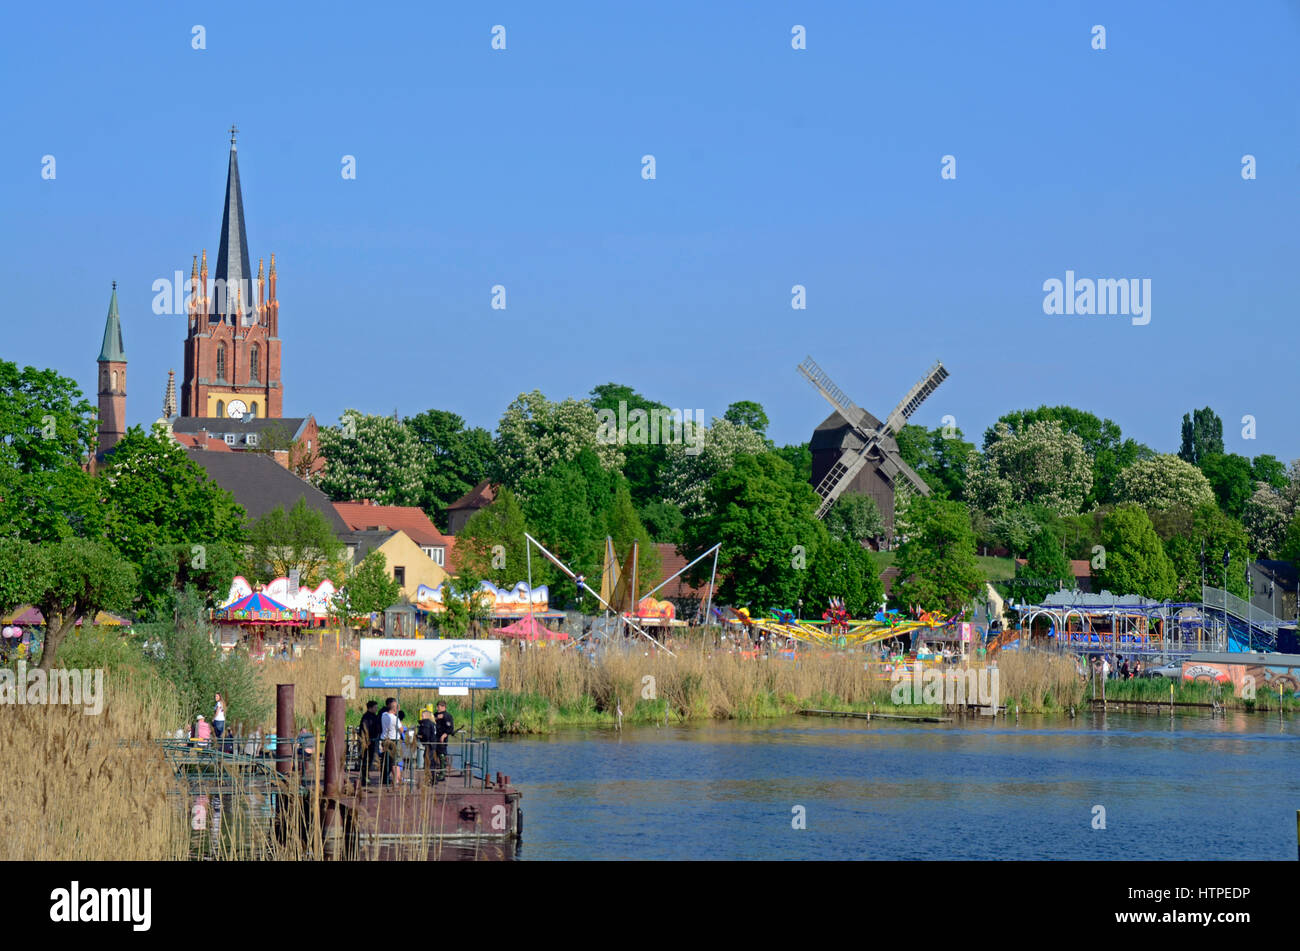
x=221 y=409
x=254 y=362
x=252 y=410
x=221 y=361
x=114 y=385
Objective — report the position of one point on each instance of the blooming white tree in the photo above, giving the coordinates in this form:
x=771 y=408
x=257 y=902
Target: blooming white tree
x=535 y=434
x=687 y=472
x=1163 y=482
x=1266 y=517
x=1041 y=463
x=372 y=457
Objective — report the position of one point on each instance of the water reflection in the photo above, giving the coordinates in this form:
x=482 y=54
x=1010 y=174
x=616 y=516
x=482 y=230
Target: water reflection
x=1181 y=787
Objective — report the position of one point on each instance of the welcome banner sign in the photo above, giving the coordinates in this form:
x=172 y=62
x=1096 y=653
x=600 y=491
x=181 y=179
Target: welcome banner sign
x=430 y=664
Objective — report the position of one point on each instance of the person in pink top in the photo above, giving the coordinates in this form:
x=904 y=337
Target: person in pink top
x=202 y=729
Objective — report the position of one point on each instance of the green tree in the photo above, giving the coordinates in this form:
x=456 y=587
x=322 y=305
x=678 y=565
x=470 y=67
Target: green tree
x=854 y=517
x=1202 y=436
x=663 y=521
x=45 y=423
x=300 y=539
x=691 y=466
x=535 y=434
x=643 y=460
x=1046 y=568
x=459 y=458
x=1163 y=482
x=1135 y=561
x=190 y=660
x=1269 y=470
x=464 y=606
x=155 y=496
x=1103 y=442
x=800 y=457
x=369 y=587
x=47 y=432
x=1042 y=463
x=1207 y=529
x=747 y=413
x=169 y=568
x=372 y=457
x=936 y=564
x=1290 y=550
x=1231 y=479
x=67 y=579
x=491 y=545
x=764 y=516
x=1265 y=518
x=940 y=456
x=844 y=569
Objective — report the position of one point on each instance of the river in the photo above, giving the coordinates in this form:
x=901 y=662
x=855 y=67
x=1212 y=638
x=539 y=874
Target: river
x=1191 y=787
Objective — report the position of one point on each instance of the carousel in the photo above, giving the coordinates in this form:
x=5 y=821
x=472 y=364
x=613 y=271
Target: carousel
x=258 y=616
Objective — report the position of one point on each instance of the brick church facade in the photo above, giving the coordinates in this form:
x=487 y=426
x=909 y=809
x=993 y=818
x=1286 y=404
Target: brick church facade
x=231 y=396
x=232 y=347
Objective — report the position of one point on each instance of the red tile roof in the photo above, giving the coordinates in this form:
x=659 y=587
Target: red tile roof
x=479 y=497
x=411 y=519
x=202 y=441
x=670 y=561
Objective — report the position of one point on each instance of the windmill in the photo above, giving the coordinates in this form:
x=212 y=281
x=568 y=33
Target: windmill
x=853 y=447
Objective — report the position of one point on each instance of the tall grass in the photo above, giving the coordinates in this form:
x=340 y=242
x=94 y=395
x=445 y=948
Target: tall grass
x=81 y=787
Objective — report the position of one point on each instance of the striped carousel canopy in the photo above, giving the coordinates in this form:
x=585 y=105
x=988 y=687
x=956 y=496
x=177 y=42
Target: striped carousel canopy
x=257 y=608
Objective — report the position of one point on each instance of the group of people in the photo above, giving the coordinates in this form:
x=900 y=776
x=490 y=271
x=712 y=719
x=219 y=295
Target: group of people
x=386 y=736
x=202 y=730
x=1124 y=670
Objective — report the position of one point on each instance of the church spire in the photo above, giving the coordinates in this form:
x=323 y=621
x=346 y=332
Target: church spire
x=232 y=254
x=112 y=351
x=169 y=397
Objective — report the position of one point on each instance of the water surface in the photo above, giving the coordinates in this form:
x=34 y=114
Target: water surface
x=1193 y=787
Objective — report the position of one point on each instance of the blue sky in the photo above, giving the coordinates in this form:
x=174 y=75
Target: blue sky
x=775 y=167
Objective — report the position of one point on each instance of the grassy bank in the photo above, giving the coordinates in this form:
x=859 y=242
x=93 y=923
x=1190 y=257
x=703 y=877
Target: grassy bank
x=543 y=690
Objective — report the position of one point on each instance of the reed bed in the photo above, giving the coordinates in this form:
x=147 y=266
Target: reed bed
x=78 y=787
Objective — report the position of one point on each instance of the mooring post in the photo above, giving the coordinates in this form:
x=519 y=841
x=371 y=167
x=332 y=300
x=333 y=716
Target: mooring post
x=284 y=727
x=335 y=744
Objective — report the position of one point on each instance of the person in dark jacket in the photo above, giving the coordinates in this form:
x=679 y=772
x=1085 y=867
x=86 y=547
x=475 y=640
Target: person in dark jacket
x=427 y=735
x=445 y=728
x=369 y=739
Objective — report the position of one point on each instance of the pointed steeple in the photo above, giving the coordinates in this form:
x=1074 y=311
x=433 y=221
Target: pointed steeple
x=112 y=350
x=232 y=254
x=169 y=396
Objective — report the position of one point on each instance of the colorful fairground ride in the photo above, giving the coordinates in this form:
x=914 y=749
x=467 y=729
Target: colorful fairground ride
x=1129 y=624
x=838 y=630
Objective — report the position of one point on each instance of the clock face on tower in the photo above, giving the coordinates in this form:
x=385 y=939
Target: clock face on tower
x=236 y=409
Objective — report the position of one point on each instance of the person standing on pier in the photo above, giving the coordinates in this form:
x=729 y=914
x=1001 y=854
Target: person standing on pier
x=219 y=717
x=369 y=739
x=389 y=735
x=427 y=735
x=445 y=727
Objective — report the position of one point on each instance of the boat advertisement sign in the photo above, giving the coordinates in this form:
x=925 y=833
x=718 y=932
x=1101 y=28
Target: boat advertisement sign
x=430 y=664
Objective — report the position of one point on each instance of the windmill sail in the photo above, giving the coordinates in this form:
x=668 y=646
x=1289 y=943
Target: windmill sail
x=896 y=420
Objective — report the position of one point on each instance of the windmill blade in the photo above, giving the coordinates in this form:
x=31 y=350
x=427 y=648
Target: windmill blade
x=896 y=420
x=893 y=466
x=853 y=414
x=839 y=477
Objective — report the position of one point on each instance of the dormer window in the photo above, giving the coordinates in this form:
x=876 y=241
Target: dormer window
x=251 y=439
x=230 y=439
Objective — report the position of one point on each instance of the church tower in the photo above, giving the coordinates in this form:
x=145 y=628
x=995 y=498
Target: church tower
x=232 y=346
x=112 y=380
